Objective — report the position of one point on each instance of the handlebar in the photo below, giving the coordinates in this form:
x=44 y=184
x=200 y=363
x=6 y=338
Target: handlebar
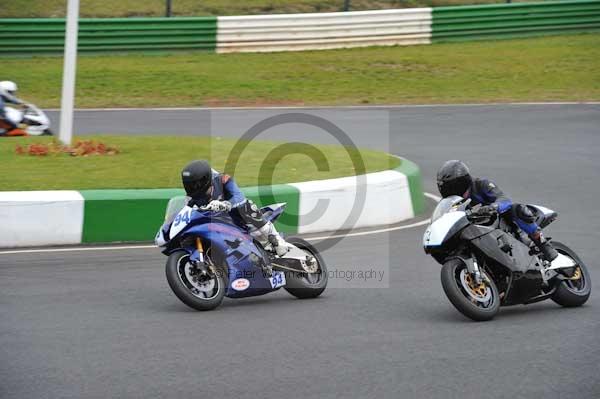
x=204 y=208
x=475 y=217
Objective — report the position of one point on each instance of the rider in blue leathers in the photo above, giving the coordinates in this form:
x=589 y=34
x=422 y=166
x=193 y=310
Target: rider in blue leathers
x=215 y=191
x=454 y=178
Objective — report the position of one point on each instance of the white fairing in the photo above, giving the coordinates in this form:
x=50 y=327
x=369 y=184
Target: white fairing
x=13 y=115
x=35 y=114
x=438 y=230
x=159 y=240
x=31 y=114
x=544 y=210
x=181 y=220
x=562 y=261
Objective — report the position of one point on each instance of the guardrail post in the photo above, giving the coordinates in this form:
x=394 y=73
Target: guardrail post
x=168 y=11
x=346 y=5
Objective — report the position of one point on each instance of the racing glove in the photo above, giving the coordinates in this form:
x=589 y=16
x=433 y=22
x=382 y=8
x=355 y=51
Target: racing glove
x=217 y=206
x=487 y=210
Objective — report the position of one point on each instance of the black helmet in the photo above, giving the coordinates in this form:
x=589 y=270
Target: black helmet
x=197 y=178
x=453 y=178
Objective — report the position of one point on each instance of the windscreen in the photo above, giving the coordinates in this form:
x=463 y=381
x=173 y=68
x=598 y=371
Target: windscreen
x=444 y=206
x=174 y=206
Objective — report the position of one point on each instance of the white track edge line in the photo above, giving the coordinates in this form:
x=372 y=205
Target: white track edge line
x=434 y=197
x=116 y=248
x=364 y=233
x=325 y=107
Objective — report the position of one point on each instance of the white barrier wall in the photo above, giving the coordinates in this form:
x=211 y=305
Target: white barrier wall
x=30 y=218
x=289 y=32
x=33 y=218
x=327 y=205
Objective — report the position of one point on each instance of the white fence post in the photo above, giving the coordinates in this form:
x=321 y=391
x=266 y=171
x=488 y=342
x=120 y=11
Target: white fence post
x=69 y=68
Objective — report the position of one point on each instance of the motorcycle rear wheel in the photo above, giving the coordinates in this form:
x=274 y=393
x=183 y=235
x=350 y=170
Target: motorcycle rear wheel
x=573 y=292
x=306 y=285
x=198 y=294
x=480 y=303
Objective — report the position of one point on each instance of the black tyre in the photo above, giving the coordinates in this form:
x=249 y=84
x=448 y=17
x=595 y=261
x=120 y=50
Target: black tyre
x=48 y=132
x=307 y=285
x=575 y=291
x=197 y=288
x=479 y=303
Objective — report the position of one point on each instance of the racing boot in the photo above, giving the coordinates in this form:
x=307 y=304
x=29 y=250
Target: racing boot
x=544 y=245
x=269 y=237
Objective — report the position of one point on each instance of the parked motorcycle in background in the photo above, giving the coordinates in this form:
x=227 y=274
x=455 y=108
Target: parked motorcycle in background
x=31 y=121
x=487 y=262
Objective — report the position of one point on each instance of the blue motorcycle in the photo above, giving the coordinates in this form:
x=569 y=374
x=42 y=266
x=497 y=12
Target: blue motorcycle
x=210 y=257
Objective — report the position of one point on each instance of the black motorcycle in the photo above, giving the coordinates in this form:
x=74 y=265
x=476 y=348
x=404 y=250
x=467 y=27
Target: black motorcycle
x=488 y=262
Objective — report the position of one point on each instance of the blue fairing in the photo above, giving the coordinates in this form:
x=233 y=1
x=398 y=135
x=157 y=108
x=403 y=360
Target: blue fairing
x=528 y=228
x=244 y=259
x=272 y=212
x=504 y=206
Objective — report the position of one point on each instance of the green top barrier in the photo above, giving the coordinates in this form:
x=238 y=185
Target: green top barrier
x=32 y=36
x=498 y=21
x=46 y=35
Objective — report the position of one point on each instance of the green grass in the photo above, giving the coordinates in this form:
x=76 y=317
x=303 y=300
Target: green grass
x=156 y=162
x=153 y=8
x=537 y=69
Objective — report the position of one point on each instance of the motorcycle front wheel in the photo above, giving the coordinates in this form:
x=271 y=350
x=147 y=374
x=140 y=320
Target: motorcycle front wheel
x=196 y=286
x=479 y=302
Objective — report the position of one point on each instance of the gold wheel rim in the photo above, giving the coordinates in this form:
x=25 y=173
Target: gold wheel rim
x=576 y=275
x=478 y=290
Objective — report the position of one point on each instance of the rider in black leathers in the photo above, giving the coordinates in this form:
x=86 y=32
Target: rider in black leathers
x=454 y=178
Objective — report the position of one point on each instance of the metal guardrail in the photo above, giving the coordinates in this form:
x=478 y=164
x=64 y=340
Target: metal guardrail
x=46 y=35
x=497 y=21
x=289 y=32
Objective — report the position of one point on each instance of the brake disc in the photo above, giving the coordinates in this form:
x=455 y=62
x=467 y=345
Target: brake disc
x=198 y=280
x=479 y=292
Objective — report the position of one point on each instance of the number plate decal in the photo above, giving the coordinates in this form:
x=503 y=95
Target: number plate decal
x=277 y=280
x=181 y=220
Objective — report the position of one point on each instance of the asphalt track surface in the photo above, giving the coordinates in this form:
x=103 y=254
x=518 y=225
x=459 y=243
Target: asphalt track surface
x=104 y=324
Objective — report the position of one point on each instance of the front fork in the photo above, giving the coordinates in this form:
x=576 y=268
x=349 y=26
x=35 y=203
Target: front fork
x=473 y=268
x=197 y=256
x=198 y=260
